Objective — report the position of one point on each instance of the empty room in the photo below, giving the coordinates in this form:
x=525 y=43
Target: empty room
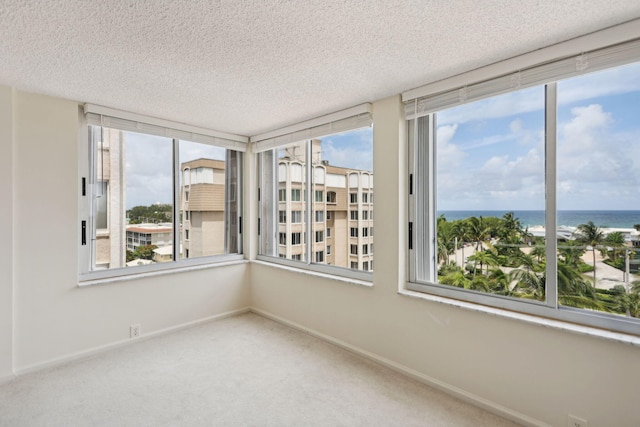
x=285 y=213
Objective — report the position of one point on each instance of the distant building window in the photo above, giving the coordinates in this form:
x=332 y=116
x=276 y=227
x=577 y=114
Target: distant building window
x=328 y=249
x=354 y=265
x=328 y=232
x=282 y=238
x=354 y=250
x=296 y=217
x=329 y=215
x=282 y=217
x=354 y=231
x=331 y=197
x=295 y=195
x=319 y=196
x=295 y=238
x=353 y=197
x=319 y=236
x=319 y=216
x=354 y=215
x=365 y=231
x=282 y=194
x=320 y=256
x=365 y=197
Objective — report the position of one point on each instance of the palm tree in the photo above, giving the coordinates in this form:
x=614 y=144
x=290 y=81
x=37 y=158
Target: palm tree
x=574 y=290
x=591 y=235
x=485 y=257
x=616 y=241
x=461 y=231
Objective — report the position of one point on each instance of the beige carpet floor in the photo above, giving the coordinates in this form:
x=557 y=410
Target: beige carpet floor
x=239 y=371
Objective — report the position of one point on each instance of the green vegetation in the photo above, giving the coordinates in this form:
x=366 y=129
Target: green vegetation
x=509 y=261
x=142 y=252
x=160 y=212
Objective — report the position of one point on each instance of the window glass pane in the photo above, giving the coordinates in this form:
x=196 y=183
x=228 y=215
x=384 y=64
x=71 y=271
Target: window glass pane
x=490 y=195
x=132 y=200
x=210 y=228
x=291 y=179
x=598 y=189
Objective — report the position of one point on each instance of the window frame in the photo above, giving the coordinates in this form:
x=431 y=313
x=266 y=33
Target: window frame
x=421 y=127
x=95 y=117
x=340 y=122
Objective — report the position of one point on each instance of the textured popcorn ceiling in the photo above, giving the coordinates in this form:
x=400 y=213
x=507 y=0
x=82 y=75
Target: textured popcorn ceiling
x=251 y=66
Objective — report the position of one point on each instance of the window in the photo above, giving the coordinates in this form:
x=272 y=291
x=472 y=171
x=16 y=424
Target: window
x=295 y=195
x=353 y=249
x=354 y=215
x=328 y=249
x=340 y=164
x=282 y=238
x=354 y=265
x=353 y=197
x=365 y=249
x=296 y=257
x=365 y=197
x=137 y=212
x=354 y=231
x=365 y=231
x=320 y=256
x=365 y=265
x=282 y=195
x=371 y=231
x=365 y=215
x=520 y=180
x=282 y=217
x=295 y=238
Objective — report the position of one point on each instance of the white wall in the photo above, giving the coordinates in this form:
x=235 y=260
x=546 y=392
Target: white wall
x=54 y=318
x=6 y=241
x=539 y=372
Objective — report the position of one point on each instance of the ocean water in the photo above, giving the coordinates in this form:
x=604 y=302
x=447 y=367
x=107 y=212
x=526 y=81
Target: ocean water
x=603 y=219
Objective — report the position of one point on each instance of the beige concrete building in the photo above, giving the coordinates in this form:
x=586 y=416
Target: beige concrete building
x=202 y=199
x=342 y=216
x=109 y=198
x=159 y=235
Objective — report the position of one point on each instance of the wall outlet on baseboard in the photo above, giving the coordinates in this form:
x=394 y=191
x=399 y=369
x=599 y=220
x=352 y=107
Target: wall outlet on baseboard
x=577 y=422
x=134 y=331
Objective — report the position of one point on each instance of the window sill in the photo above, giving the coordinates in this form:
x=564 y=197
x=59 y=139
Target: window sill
x=529 y=318
x=145 y=274
x=327 y=276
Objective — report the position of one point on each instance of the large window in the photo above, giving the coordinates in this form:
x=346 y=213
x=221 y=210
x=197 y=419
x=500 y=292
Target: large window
x=330 y=168
x=150 y=200
x=532 y=194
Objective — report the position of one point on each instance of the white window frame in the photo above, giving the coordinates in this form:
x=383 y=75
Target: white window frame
x=420 y=106
x=94 y=115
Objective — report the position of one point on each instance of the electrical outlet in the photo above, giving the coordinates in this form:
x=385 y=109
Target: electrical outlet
x=577 y=422
x=134 y=331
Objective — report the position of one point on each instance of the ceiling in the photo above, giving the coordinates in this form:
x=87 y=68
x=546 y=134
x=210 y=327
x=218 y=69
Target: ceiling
x=250 y=66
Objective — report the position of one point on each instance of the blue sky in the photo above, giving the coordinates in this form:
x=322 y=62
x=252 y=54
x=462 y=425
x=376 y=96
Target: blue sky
x=491 y=152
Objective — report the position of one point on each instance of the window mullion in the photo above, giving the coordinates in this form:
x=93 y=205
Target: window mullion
x=176 y=199
x=309 y=199
x=551 y=236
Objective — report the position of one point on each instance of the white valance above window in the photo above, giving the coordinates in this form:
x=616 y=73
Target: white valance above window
x=340 y=121
x=108 y=117
x=547 y=65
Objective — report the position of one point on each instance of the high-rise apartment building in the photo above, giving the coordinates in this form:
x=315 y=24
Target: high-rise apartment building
x=341 y=219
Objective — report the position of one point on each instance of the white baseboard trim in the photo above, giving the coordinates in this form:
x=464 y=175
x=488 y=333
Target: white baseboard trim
x=433 y=382
x=111 y=346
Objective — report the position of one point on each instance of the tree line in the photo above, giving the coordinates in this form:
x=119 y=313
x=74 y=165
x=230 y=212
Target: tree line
x=510 y=261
